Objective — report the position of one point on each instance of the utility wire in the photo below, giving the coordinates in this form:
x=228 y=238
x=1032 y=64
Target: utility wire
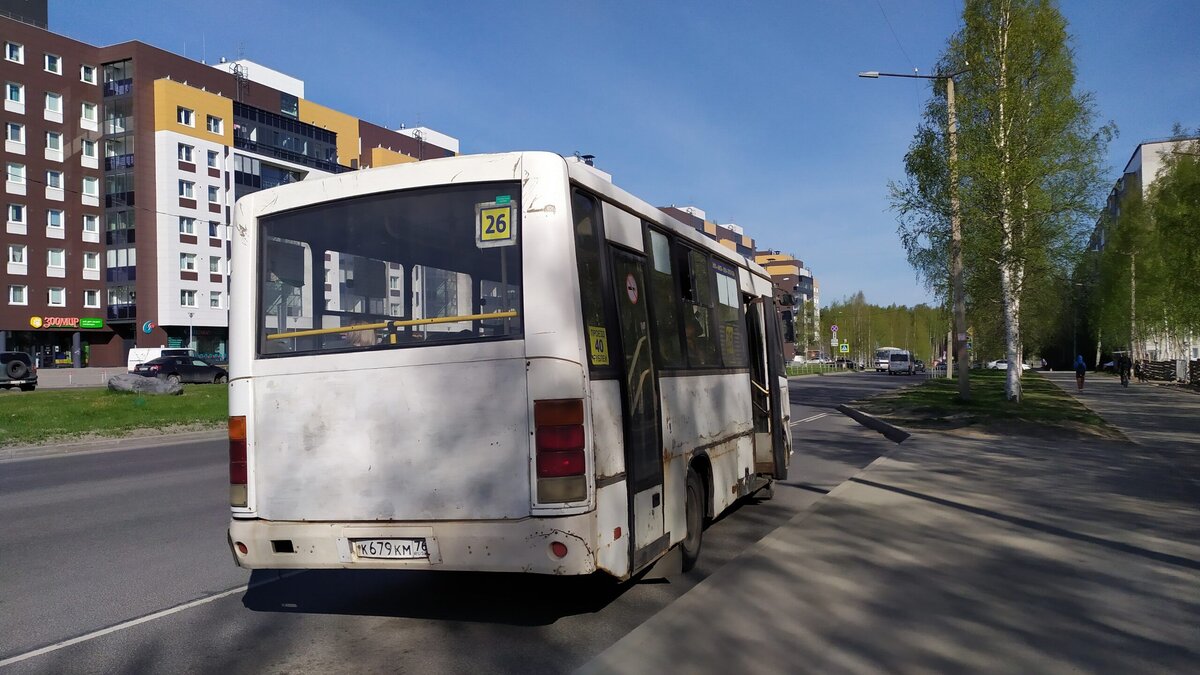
x=903 y=51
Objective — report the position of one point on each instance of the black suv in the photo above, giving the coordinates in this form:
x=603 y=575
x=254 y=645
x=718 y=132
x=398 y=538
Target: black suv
x=17 y=370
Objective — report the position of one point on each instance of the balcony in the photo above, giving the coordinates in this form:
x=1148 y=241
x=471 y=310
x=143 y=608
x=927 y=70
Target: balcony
x=122 y=312
x=287 y=155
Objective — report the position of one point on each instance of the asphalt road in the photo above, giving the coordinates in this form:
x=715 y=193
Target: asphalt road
x=122 y=557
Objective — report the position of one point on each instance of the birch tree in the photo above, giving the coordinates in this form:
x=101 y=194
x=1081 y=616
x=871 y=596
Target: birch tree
x=1029 y=160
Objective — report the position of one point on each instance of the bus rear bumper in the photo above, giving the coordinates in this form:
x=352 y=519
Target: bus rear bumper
x=529 y=545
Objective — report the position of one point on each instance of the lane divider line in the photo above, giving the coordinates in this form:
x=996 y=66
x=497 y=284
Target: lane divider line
x=138 y=621
x=810 y=419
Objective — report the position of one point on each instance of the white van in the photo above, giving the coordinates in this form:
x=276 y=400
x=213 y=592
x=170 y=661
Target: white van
x=901 y=363
x=139 y=355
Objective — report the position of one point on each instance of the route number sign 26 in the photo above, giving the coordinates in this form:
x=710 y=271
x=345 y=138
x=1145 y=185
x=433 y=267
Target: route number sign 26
x=495 y=224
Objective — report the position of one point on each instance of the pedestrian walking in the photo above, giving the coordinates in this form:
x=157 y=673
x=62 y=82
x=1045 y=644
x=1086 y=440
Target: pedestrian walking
x=1080 y=371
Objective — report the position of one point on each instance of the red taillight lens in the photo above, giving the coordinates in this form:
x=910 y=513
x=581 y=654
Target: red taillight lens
x=237 y=450
x=560 y=438
x=560 y=464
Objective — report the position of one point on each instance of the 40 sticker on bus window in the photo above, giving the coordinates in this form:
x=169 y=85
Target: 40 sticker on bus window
x=598 y=345
x=496 y=223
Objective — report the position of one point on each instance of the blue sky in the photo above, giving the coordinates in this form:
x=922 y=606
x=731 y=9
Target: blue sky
x=751 y=111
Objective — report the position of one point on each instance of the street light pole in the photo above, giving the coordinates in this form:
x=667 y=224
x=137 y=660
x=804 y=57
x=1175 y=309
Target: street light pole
x=956 y=267
x=190 y=315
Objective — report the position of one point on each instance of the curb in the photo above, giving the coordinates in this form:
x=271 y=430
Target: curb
x=890 y=431
x=101 y=445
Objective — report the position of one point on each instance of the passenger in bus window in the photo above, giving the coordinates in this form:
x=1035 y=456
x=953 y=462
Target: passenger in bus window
x=362 y=338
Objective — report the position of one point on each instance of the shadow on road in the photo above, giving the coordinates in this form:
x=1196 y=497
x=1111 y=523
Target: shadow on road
x=516 y=599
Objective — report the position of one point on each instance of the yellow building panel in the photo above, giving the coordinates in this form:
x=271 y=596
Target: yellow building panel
x=784 y=269
x=747 y=242
x=385 y=157
x=710 y=228
x=170 y=96
x=732 y=246
x=345 y=126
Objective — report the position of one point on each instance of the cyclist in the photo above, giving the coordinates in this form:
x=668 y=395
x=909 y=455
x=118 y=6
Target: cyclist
x=1125 y=365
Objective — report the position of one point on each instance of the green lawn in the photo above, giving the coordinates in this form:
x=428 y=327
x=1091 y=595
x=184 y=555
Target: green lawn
x=934 y=403
x=59 y=414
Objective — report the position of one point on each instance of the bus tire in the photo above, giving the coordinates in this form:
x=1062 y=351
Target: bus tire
x=694 y=516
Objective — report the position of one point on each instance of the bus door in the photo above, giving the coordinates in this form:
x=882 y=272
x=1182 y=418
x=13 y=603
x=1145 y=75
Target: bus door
x=640 y=409
x=760 y=387
x=777 y=378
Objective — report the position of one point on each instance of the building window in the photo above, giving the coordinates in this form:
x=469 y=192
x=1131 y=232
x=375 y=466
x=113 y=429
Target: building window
x=187 y=262
x=289 y=105
x=91 y=187
x=185 y=152
x=214 y=264
x=16 y=92
x=53 y=102
x=53 y=64
x=187 y=189
x=88 y=148
x=56 y=296
x=213 y=158
x=89 y=112
x=187 y=298
x=15 y=132
x=214 y=299
x=54 y=218
x=16 y=173
x=17 y=295
x=15 y=53
x=16 y=254
x=185 y=116
x=214 y=194
x=213 y=228
x=87 y=74
x=91 y=223
x=215 y=124
x=91 y=298
x=55 y=257
x=53 y=140
x=54 y=179
x=16 y=213
x=91 y=261
x=187 y=225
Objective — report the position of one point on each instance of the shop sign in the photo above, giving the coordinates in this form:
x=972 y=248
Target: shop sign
x=65 y=322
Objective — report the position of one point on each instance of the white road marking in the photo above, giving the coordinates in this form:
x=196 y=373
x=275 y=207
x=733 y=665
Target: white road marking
x=138 y=621
x=810 y=419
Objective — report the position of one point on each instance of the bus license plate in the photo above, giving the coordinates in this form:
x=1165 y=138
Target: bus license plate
x=391 y=549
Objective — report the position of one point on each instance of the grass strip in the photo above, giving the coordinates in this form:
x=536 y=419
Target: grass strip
x=59 y=414
x=934 y=404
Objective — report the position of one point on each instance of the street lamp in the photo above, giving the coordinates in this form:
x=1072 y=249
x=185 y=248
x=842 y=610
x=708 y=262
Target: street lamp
x=190 y=315
x=956 y=267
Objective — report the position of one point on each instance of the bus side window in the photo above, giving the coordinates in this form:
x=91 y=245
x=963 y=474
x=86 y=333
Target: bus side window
x=697 y=312
x=729 y=317
x=663 y=304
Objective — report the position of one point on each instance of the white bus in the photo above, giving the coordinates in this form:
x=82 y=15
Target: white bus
x=495 y=363
x=883 y=357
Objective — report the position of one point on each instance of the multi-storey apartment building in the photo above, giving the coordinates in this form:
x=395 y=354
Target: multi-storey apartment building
x=729 y=235
x=797 y=292
x=123 y=165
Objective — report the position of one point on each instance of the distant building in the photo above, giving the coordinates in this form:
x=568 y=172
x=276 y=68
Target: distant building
x=123 y=164
x=729 y=235
x=795 y=288
x=1139 y=174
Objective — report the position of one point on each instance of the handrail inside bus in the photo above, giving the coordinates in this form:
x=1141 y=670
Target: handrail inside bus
x=398 y=324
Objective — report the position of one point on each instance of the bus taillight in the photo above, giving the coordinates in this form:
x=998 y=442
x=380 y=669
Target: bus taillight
x=237 y=461
x=559 y=440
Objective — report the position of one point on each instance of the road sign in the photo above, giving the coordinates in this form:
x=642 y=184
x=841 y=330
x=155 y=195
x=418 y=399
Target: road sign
x=833 y=328
x=845 y=348
x=833 y=341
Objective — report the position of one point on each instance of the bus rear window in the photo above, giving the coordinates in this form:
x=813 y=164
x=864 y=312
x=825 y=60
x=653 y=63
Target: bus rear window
x=401 y=269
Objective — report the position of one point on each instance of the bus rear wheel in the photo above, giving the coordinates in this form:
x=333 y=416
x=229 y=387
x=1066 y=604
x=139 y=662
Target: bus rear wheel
x=694 y=515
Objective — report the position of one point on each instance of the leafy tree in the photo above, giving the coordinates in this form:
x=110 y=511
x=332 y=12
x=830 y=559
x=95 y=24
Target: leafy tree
x=1029 y=166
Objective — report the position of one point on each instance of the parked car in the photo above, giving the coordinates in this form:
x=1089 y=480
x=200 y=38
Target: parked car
x=900 y=363
x=1002 y=364
x=186 y=369
x=17 y=370
x=139 y=355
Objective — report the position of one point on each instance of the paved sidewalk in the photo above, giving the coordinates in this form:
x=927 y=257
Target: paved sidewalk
x=961 y=554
